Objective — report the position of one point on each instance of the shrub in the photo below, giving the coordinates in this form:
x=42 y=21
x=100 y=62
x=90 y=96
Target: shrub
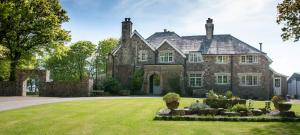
x=171 y=97
x=223 y=103
x=137 y=81
x=239 y=107
x=212 y=95
x=228 y=94
x=198 y=106
x=111 y=85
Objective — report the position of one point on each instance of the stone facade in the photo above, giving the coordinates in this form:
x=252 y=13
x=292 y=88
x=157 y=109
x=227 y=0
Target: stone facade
x=166 y=53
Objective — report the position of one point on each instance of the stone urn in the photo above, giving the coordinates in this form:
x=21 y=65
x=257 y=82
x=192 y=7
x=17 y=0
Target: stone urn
x=283 y=107
x=173 y=105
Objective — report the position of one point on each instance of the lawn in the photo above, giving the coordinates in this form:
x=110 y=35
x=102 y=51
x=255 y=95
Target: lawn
x=124 y=117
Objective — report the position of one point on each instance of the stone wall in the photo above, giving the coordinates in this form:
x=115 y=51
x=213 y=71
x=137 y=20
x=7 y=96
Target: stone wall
x=8 y=88
x=46 y=88
x=66 y=89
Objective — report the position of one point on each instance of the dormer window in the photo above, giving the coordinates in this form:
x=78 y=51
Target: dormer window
x=249 y=59
x=222 y=59
x=143 y=55
x=195 y=57
x=166 y=56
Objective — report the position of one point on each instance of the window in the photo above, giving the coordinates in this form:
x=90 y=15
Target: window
x=143 y=55
x=222 y=78
x=277 y=82
x=249 y=80
x=166 y=57
x=195 y=80
x=222 y=59
x=195 y=57
x=249 y=59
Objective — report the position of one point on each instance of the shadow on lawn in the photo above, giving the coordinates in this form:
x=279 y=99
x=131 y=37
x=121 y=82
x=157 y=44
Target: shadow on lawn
x=278 y=128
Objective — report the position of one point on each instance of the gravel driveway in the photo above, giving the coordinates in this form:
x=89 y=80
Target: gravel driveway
x=8 y=103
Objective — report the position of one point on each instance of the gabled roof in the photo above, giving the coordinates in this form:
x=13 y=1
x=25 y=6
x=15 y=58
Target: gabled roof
x=294 y=76
x=138 y=34
x=173 y=46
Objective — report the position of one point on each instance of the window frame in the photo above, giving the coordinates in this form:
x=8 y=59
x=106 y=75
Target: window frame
x=141 y=53
x=195 y=57
x=249 y=59
x=224 y=59
x=164 y=56
x=222 y=76
x=249 y=79
x=196 y=83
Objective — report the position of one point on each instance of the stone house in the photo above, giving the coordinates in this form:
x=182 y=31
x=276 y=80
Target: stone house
x=294 y=85
x=194 y=64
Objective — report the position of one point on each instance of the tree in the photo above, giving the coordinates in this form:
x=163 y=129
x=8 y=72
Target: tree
x=79 y=53
x=70 y=63
x=289 y=16
x=28 y=27
x=104 y=48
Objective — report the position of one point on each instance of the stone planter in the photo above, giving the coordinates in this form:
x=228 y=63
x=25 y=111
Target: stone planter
x=283 y=107
x=173 y=105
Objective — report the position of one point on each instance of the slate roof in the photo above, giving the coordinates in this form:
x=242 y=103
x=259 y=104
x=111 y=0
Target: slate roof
x=220 y=44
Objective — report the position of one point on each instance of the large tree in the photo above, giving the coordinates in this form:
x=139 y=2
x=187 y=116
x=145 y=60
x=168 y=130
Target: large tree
x=104 y=48
x=71 y=63
x=30 y=26
x=289 y=16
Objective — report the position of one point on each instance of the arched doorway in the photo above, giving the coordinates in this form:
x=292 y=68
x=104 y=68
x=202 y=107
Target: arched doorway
x=154 y=87
x=32 y=86
x=30 y=81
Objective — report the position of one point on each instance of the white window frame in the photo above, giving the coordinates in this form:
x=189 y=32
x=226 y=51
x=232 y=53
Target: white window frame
x=249 y=79
x=198 y=79
x=165 y=56
x=249 y=59
x=224 y=59
x=223 y=76
x=143 y=55
x=195 y=57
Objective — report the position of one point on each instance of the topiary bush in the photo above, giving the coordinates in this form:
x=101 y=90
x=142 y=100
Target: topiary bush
x=172 y=100
x=276 y=100
x=171 y=97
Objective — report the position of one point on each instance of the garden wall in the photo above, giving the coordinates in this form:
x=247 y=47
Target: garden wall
x=66 y=89
x=8 y=88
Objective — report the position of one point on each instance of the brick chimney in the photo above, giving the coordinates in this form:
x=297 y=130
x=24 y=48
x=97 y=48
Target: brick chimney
x=209 y=26
x=126 y=30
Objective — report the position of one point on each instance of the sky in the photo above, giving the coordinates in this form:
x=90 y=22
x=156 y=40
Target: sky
x=252 y=21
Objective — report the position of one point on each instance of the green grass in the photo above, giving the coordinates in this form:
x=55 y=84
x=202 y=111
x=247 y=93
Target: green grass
x=124 y=117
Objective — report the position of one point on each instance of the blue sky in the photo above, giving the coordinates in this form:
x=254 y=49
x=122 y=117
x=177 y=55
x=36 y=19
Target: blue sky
x=251 y=21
